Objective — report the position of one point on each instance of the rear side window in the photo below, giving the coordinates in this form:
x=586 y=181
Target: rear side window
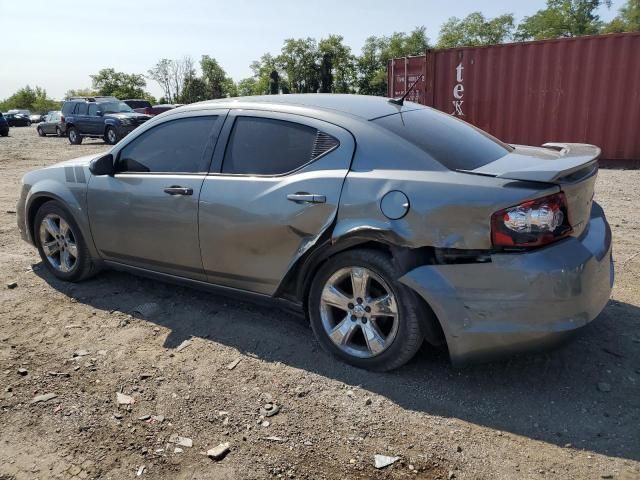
x=138 y=103
x=81 y=109
x=265 y=146
x=455 y=144
x=181 y=146
x=93 y=108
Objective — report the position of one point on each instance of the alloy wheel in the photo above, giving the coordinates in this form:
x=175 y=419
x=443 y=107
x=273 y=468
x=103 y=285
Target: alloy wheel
x=359 y=312
x=58 y=243
x=111 y=136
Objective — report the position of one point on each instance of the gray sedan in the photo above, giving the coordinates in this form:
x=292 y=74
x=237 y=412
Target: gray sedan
x=388 y=223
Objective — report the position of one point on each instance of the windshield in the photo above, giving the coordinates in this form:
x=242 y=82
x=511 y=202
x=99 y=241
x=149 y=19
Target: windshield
x=115 y=107
x=455 y=144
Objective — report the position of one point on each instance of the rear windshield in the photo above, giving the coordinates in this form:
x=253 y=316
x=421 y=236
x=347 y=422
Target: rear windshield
x=138 y=103
x=115 y=107
x=455 y=144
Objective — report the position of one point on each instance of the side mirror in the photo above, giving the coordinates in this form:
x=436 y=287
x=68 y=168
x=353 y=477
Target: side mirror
x=99 y=113
x=102 y=165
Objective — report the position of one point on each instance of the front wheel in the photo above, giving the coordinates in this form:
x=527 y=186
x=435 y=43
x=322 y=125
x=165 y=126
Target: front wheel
x=74 y=136
x=58 y=132
x=360 y=312
x=110 y=136
x=60 y=243
x=40 y=132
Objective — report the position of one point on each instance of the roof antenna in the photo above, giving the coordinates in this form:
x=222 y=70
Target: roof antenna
x=400 y=101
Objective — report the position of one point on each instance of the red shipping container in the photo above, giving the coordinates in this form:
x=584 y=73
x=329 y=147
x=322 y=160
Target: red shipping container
x=584 y=89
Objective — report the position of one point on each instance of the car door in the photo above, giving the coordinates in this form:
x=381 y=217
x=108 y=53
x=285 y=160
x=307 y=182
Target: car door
x=145 y=215
x=94 y=123
x=275 y=189
x=80 y=117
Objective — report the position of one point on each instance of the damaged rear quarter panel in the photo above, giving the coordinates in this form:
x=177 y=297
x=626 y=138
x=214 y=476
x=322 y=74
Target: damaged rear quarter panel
x=447 y=209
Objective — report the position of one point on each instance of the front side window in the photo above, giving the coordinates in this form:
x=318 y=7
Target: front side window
x=265 y=146
x=180 y=146
x=93 y=108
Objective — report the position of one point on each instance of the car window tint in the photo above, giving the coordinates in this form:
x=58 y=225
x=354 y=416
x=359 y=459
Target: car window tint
x=175 y=146
x=455 y=144
x=93 y=108
x=81 y=109
x=264 y=146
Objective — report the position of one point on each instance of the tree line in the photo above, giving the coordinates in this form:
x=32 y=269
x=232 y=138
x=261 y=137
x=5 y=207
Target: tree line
x=306 y=65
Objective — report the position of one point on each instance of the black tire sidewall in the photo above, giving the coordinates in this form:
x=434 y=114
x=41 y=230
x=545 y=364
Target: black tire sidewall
x=40 y=132
x=106 y=136
x=408 y=339
x=78 y=137
x=83 y=262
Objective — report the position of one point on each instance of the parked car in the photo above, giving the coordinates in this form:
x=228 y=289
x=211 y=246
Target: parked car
x=143 y=106
x=23 y=112
x=36 y=117
x=17 y=120
x=52 y=124
x=99 y=117
x=4 y=126
x=429 y=230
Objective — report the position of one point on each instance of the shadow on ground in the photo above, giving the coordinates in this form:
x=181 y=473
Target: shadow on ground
x=555 y=396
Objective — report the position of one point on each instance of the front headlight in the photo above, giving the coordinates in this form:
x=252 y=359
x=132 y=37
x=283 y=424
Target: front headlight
x=126 y=121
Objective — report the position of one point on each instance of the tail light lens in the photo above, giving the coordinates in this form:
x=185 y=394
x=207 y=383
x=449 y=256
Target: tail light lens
x=61 y=118
x=532 y=223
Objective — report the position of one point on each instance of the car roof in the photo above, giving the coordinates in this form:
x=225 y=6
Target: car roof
x=364 y=106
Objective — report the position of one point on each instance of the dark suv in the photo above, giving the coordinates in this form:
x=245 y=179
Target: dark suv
x=99 y=117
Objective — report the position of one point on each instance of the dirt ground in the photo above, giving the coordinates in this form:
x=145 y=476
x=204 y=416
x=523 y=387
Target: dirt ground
x=573 y=412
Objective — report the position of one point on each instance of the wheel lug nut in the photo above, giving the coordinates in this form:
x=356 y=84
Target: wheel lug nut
x=367 y=309
x=364 y=319
x=350 y=306
x=353 y=318
x=359 y=300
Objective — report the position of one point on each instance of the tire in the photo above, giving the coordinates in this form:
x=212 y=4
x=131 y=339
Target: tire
x=76 y=268
x=111 y=136
x=74 y=136
x=28 y=124
x=40 y=132
x=5 y=134
x=58 y=132
x=400 y=330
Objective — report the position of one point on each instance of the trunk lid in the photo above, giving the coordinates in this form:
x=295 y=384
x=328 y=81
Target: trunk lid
x=571 y=166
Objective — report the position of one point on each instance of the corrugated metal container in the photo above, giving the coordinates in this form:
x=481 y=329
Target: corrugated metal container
x=584 y=89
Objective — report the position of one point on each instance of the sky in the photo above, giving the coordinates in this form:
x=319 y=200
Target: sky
x=57 y=46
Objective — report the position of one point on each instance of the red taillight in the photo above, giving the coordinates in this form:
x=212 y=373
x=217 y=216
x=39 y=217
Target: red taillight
x=532 y=223
x=61 y=118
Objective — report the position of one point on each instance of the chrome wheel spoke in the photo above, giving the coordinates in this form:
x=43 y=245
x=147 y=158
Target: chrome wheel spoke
x=376 y=342
x=343 y=331
x=72 y=248
x=64 y=228
x=384 y=306
x=50 y=248
x=332 y=296
x=65 y=261
x=51 y=227
x=360 y=282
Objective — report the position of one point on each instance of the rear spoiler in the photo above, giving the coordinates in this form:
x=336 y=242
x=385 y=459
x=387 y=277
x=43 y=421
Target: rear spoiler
x=569 y=159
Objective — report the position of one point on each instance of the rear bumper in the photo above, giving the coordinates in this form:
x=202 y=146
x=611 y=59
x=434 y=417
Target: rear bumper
x=520 y=301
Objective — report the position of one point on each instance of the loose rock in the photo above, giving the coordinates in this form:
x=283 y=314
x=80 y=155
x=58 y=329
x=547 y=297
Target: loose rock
x=382 y=461
x=219 y=452
x=183 y=345
x=81 y=353
x=22 y=371
x=43 y=398
x=269 y=409
x=124 y=399
x=604 y=387
x=12 y=285
x=234 y=364
x=182 y=441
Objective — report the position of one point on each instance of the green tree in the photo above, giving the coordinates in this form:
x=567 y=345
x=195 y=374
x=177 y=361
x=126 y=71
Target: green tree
x=376 y=53
x=194 y=90
x=299 y=60
x=118 y=84
x=475 y=30
x=218 y=85
x=247 y=86
x=342 y=69
x=34 y=99
x=562 y=18
x=81 y=92
x=627 y=20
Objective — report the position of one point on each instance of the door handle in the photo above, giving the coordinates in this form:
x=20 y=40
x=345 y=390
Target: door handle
x=306 y=198
x=177 y=190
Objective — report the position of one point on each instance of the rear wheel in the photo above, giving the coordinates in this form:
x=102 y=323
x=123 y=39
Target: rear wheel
x=58 y=132
x=60 y=243
x=110 y=136
x=74 y=136
x=360 y=312
x=29 y=123
x=40 y=132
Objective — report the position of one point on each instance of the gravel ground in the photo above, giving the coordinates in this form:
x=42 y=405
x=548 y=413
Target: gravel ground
x=568 y=413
